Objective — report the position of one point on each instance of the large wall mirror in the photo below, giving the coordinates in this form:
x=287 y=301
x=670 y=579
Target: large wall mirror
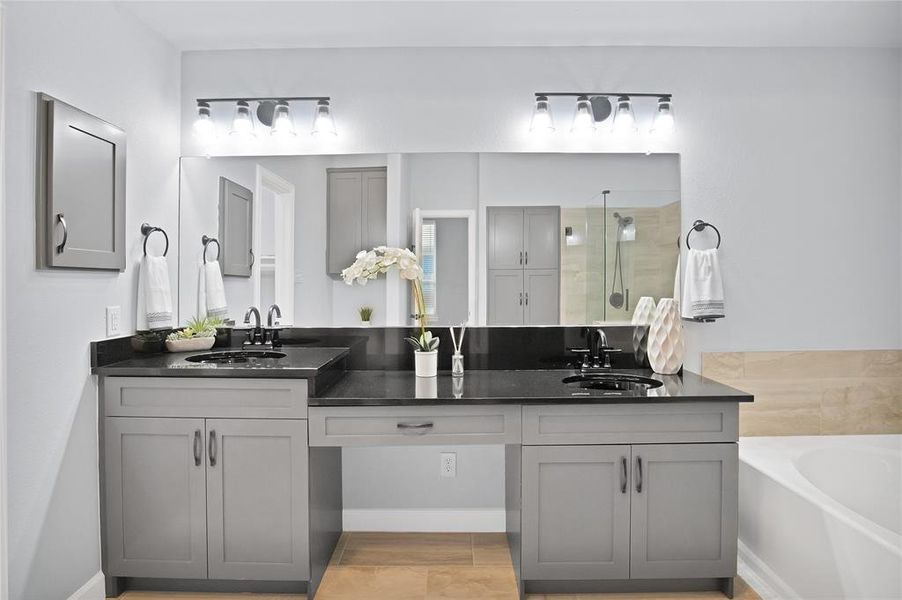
x=503 y=238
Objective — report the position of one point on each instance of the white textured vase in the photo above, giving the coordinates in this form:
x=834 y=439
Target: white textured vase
x=643 y=315
x=665 y=338
x=426 y=363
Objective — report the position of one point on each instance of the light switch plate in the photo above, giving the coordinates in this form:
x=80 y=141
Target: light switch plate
x=449 y=464
x=113 y=321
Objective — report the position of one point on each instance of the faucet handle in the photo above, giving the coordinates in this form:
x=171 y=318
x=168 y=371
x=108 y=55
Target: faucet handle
x=584 y=352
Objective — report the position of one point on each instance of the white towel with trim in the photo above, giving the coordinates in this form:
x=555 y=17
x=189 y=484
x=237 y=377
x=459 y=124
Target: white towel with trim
x=703 y=298
x=211 y=300
x=154 y=294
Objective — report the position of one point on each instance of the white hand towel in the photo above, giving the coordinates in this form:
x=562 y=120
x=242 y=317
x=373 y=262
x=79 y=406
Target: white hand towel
x=703 y=287
x=154 y=295
x=211 y=300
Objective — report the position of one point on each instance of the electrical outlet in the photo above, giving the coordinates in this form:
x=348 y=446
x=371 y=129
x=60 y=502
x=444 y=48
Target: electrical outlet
x=449 y=464
x=113 y=321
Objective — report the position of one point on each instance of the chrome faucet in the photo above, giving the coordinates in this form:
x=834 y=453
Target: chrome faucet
x=255 y=336
x=273 y=328
x=600 y=349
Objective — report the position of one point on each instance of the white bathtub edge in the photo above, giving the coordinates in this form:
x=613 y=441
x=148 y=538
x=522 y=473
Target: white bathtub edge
x=761 y=578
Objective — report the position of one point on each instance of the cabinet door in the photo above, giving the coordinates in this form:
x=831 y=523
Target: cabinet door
x=541 y=296
x=345 y=218
x=236 y=227
x=542 y=237
x=257 y=499
x=155 y=498
x=684 y=511
x=505 y=297
x=82 y=186
x=505 y=238
x=375 y=196
x=576 y=512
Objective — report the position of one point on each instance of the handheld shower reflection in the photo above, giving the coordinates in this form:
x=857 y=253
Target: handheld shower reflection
x=626 y=232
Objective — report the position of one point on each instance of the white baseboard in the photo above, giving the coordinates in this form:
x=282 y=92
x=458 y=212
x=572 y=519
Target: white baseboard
x=755 y=572
x=93 y=589
x=472 y=520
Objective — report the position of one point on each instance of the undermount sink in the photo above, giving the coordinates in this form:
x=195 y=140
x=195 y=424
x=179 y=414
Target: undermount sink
x=617 y=382
x=234 y=357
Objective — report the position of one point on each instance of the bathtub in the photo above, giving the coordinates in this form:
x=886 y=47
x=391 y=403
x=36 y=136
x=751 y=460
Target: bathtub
x=821 y=517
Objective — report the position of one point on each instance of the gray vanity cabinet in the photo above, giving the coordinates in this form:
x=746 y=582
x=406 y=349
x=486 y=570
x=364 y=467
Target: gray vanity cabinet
x=576 y=512
x=257 y=499
x=505 y=297
x=505 y=241
x=541 y=237
x=236 y=228
x=684 y=511
x=541 y=297
x=357 y=218
x=155 y=498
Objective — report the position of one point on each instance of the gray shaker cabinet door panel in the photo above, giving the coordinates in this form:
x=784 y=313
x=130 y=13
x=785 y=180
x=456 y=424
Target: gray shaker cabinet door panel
x=505 y=238
x=155 y=498
x=345 y=218
x=236 y=227
x=257 y=499
x=375 y=206
x=541 y=297
x=684 y=511
x=576 y=512
x=542 y=237
x=506 y=297
x=81 y=189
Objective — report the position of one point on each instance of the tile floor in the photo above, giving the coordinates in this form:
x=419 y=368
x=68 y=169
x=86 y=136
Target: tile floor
x=428 y=566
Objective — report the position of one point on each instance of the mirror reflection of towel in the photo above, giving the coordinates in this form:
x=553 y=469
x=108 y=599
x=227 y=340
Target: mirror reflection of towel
x=703 y=286
x=211 y=300
x=154 y=307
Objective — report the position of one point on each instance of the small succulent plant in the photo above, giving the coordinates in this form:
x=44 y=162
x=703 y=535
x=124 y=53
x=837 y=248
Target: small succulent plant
x=196 y=328
x=425 y=343
x=366 y=313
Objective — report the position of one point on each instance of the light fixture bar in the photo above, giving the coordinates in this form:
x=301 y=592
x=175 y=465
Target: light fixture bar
x=267 y=99
x=577 y=94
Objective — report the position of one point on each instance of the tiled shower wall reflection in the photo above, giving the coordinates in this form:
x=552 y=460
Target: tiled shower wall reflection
x=588 y=255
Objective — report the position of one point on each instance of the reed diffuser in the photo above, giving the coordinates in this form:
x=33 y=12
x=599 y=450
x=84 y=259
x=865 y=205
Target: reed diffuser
x=457 y=358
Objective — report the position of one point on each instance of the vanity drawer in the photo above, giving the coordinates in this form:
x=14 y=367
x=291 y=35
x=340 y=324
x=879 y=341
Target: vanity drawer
x=631 y=423
x=204 y=397
x=402 y=426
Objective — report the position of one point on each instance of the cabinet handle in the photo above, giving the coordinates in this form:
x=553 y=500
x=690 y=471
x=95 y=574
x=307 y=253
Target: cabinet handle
x=418 y=428
x=521 y=298
x=527 y=258
x=253 y=258
x=527 y=298
x=198 y=446
x=638 y=474
x=521 y=257
x=211 y=448
x=62 y=244
x=623 y=473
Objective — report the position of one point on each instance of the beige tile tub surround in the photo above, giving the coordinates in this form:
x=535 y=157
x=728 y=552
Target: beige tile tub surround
x=814 y=392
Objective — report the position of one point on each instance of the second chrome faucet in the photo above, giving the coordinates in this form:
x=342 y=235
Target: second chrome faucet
x=258 y=335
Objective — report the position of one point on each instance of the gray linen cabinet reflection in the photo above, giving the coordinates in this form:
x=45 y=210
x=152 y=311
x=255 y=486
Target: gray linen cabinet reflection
x=576 y=512
x=356 y=207
x=236 y=228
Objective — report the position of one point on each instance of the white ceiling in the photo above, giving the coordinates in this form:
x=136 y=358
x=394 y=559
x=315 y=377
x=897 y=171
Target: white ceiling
x=220 y=25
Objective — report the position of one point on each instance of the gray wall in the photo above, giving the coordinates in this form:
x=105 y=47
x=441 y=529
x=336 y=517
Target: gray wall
x=92 y=56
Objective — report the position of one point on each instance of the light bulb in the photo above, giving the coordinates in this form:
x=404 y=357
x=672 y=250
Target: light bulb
x=323 y=124
x=204 y=128
x=243 y=122
x=282 y=125
x=624 y=119
x=583 y=118
x=663 y=124
x=541 y=117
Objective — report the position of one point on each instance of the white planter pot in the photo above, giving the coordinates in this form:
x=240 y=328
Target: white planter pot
x=190 y=344
x=366 y=323
x=426 y=363
x=665 y=338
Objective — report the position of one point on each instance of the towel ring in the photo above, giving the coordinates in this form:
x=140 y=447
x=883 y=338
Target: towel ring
x=207 y=240
x=700 y=225
x=147 y=229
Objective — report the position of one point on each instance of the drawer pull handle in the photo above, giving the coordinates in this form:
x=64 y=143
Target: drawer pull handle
x=638 y=474
x=419 y=428
x=211 y=448
x=198 y=447
x=623 y=469
x=62 y=245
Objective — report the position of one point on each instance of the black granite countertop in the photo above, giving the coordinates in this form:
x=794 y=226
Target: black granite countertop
x=403 y=388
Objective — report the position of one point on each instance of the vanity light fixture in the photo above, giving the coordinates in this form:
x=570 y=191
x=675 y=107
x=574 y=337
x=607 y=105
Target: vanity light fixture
x=323 y=124
x=542 y=122
x=204 y=128
x=282 y=125
x=624 y=119
x=243 y=121
x=274 y=113
x=593 y=108
x=663 y=124
x=583 y=119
